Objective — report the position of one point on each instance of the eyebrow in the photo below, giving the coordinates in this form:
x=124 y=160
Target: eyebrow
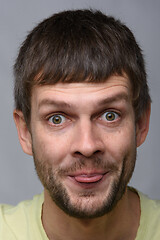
x=51 y=102
x=101 y=102
x=114 y=98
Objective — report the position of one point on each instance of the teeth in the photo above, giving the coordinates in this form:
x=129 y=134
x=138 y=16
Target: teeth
x=88 y=178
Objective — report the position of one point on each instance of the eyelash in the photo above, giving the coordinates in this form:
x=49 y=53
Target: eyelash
x=110 y=114
x=61 y=118
x=57 y=115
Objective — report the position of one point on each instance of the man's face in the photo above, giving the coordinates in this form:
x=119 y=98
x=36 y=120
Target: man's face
x=84 y=143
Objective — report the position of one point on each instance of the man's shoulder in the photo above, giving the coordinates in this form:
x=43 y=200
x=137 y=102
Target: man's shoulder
x=150 y=218
x=149 y=205
x=9 y=211
x=20 y=219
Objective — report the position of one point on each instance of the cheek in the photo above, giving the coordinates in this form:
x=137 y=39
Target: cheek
x=121 y=143
x=50 y=148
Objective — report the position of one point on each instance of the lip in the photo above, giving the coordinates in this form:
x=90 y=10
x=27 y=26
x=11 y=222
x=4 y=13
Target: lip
x=88 y=180
x=88 y=172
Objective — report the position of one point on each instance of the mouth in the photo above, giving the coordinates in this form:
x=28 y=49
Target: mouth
x=88 y=180
x=91 y=178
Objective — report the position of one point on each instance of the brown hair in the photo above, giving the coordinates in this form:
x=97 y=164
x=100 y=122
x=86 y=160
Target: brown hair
x=78 y=46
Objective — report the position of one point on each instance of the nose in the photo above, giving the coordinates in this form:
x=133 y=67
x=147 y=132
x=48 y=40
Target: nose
x=87 y=140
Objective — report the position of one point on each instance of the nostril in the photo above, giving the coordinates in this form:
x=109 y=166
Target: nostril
x=97 y=152
x=80 y=154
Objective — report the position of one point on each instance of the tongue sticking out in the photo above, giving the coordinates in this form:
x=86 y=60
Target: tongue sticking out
x=88 y=178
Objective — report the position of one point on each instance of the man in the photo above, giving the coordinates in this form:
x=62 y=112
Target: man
x=82 y=108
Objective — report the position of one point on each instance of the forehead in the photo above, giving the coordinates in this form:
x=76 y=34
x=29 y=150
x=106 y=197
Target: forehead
x=76 y=92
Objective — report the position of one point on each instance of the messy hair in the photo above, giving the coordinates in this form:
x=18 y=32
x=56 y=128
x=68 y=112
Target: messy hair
x=79 y=46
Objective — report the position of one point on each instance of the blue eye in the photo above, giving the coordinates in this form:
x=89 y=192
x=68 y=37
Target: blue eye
x=57 y=119
x=109 y=116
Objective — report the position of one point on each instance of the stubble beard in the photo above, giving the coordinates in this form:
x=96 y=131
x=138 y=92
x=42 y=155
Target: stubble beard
x=90 y=209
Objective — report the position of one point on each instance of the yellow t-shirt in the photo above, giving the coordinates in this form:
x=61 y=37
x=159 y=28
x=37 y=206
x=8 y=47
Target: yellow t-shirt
x=23 y=222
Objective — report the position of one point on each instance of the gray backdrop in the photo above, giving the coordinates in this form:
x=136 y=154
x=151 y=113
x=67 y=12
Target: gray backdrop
x=18 y=179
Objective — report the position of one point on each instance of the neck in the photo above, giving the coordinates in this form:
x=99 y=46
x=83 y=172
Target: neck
x=121 y=223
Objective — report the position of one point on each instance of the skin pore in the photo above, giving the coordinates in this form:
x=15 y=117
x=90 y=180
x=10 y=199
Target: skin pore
x=83 y=138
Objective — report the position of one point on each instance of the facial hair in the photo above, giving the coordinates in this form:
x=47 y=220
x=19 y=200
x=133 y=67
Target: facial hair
x=51 y=181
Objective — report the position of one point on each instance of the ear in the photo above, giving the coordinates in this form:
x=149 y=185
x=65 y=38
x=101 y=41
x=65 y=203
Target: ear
x=23 y=132
x=142 y=126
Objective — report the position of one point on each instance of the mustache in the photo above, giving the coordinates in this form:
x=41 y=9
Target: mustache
x=83 y=163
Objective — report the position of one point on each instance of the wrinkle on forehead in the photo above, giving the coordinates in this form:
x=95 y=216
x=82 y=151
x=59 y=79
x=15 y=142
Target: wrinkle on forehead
x=79 y=88
x=82 y=97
